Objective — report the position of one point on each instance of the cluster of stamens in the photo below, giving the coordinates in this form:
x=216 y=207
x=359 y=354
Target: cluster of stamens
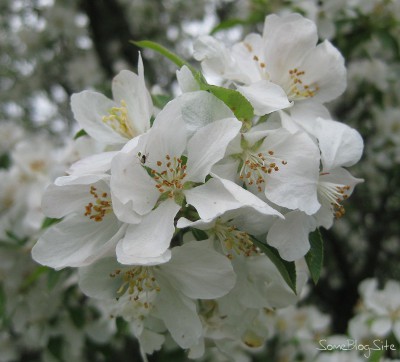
x=334 y=194
x=138 y=282
x=100 y=207
x=233 y=241
x=298 y=89
x=171 y=178
x=118 y=120
x=257 y=166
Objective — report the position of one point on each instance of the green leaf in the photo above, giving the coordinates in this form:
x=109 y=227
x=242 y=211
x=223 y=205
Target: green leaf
x=376 y=355
x=53 y=277
x=77 y=315
x=55 y=346
x=286 y=269
x=228 y=24
x=315 y=256
x=5 y=161
x=34 y=276
x=48 y=221
x=163 y=51
x=80 y=133
x=239 y=105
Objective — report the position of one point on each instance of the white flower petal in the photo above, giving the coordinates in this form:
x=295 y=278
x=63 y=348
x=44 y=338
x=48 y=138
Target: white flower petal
x=186 y=81
x=287 y=40
x=381 y=326
x=89 y=108
x=266 y=97
x=98 y=163
x=208 y=146
x=71 y=194
x=95 y=280
x=179 y=314
x=324 y=66
x=218 y=196
x=293 y=187
x=130 y=182
x=131 y=88
x=198 y=272
x=168 y=136
x=290 y=235
x=76 y=241
x=201 y=108
x=151 y=238
x=340 y=144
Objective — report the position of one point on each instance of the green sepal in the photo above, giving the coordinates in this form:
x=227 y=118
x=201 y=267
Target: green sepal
x=315 y=256
x=199 y=234
x=48 y=221
x=287 y=269
x=179 y=198
x=160 y=100
x=80 y=133
x=244 y=144
x=257 y=145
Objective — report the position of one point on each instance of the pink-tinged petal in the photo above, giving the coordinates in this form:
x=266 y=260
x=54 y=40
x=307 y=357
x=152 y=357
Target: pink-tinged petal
x=208 y=146
x=131 y=88
x=178 y=313
x=89 y=108
x=265 y=96
x=340 y=144
x=290 y=235
x=130 y=182
x=199 y=272
x=324 y=67
x=151 y=238
x=77 y=241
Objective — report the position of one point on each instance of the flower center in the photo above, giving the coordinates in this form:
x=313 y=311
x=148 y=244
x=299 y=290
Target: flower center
x=118 y=121
x=257 y=166
x=332 y=195
x=233 y=241
x=170 y=176
x=297 y=89
x=100 y=207
x=139 y=282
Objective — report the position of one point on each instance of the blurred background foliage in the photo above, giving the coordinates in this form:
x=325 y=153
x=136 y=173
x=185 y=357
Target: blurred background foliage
x=53 y=48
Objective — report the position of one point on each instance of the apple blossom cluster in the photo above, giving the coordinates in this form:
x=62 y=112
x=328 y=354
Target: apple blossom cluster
x=192 y=220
